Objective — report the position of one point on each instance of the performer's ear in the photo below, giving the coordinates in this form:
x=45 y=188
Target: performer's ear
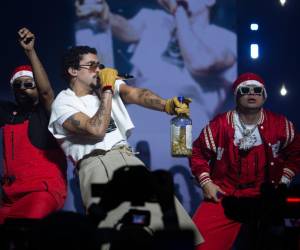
x=72 y=71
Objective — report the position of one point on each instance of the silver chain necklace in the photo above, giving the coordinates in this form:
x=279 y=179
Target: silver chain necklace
x=246 y=131
x=248 y=138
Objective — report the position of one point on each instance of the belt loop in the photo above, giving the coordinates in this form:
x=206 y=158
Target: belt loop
x=132 y=150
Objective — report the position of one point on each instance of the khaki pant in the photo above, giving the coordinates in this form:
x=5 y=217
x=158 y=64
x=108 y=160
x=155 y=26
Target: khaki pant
x=99 y=168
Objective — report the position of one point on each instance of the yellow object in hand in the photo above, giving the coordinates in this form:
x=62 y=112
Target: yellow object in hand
x=175 y=107
x=108 y=78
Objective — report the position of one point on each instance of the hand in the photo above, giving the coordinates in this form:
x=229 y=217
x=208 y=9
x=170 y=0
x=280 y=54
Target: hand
x=26 y=39
x=173 y=106
x=104 y=13
x=211 y=191
x=99 y=9
x=169 y=5
x=108 y=78
x=183 y=3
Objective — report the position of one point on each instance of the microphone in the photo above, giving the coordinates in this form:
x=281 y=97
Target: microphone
x=124 y=76
x=121 y=76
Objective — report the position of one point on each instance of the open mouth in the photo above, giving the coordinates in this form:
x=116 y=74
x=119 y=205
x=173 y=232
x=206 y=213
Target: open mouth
x=251 y=100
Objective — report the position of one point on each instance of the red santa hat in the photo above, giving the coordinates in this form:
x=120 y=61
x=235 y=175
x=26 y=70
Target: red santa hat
x=23 y=70
x=247 y=79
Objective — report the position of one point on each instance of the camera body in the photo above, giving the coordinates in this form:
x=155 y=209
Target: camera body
x=136 y=217
x=139 y=209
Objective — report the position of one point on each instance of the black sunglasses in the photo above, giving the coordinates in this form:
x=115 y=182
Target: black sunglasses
x=92 y=66
x=246 y=90
x=23 y=85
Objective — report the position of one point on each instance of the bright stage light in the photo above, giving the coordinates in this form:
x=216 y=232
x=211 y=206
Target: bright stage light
x=254 y=51
x=282 y=2
x=283 y=90
x=254 y=26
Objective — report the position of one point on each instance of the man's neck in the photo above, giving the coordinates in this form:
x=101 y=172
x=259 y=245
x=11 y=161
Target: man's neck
x=79 y=90
x=27 y=107
x=249 y=117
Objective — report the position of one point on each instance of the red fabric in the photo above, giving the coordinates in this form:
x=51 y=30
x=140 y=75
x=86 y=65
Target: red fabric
x=25 y=69
x=276 y=132
x=214 y=153
x=37 y=177
x=218 y=231
x=247 y=170
x=34 y=205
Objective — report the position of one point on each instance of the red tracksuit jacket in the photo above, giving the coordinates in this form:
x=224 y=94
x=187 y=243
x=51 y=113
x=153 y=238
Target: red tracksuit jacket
x=216 y=157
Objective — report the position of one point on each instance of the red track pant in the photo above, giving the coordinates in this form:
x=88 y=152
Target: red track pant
x=218 y=231
x=34 y=205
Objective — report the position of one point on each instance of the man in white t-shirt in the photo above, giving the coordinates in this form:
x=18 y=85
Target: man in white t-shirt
x=91 y=123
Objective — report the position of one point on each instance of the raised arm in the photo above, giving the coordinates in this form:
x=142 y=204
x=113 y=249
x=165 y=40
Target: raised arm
x=27 y=41
x=120 y=26
x=205 y=51
x=123 y=29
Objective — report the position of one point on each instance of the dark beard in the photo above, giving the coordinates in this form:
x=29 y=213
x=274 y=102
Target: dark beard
x=25 y=101
x=95 y=86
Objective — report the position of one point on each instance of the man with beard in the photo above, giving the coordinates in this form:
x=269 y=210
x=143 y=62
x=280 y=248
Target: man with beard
x=92 y=124
x=33 y=182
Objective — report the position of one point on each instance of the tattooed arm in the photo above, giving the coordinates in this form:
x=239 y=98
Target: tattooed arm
x=143 y=97
x=95 y=126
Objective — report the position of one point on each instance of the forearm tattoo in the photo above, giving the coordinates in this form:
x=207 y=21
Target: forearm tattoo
x=102 y=116
x=74 y=122
x=150 y=100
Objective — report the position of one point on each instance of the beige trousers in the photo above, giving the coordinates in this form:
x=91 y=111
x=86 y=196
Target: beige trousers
x=100 y=168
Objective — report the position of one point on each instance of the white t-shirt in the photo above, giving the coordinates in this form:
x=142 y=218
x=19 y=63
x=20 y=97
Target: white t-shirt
x=76 y=146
